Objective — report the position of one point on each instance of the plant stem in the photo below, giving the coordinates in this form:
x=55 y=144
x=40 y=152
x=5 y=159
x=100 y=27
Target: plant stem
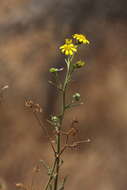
x=56 y=164
x=58 y=136
x=51 y=175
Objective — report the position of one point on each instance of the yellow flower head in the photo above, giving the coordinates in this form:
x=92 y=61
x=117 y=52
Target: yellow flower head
x=68 y=48
x=81 y=38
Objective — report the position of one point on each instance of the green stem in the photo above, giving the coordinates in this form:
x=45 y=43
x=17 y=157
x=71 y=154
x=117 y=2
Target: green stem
x=58 y=137
x=51 y=175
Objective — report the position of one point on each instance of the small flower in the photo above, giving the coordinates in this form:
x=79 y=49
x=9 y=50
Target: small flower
x=68 y=48
x=79 y=64
x=81 y=38
x=76 y=96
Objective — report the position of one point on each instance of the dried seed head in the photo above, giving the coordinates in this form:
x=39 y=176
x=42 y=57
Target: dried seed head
x=72 y=131
x=33 y=106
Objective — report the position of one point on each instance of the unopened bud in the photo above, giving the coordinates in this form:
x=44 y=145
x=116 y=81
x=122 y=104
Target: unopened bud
x=76 y=96
x=53 y=70
x=55 y=119
x=79 y=64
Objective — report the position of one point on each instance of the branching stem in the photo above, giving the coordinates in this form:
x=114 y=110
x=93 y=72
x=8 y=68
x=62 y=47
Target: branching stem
x=58 y=136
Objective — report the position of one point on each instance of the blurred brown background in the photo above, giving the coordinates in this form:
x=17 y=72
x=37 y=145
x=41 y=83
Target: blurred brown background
x=30 y=34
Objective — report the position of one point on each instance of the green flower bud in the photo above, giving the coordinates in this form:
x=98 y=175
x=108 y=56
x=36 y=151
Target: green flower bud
x=76 y=96
x=53 y=70
x=79 y=64
x=55 y=119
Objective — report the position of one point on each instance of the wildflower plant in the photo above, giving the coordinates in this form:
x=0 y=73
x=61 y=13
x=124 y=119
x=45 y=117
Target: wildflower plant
x=69 y=49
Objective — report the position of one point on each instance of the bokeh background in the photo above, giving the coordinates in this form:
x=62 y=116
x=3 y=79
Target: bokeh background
x=31 y=32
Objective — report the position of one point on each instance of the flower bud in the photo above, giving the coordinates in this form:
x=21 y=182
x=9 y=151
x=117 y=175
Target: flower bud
x=55 y=119
x=79 y=64
x=53 y=70
x=76 y=96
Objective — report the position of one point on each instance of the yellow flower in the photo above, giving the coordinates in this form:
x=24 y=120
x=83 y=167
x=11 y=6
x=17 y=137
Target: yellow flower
x=68 y=48
x=81 y=38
